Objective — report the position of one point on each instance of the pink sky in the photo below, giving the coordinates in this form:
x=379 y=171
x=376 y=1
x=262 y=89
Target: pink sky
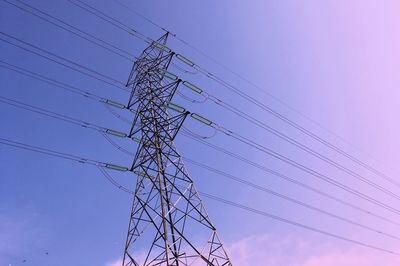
x=337 y=61
x=266 y=250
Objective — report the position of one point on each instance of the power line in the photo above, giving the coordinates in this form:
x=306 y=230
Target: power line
x=285 y=159
x=268 y=191
x=79 y=159
x=105 y=130
x=297 y=144
x=313 y=172
x=288 y=179
x=56 y=115
x=61 y=117
x=243 y=181
x=268 y=109
x=303 y=147
x=50 y=152
x=287 y=221
x=50 y=81
x=292 y=141
x=62 y=58
x=143 y=17
x=266 y=214
x=77 y=91
x=107 y=103
x=280 y=175
x=61 y=155
x=72 y=29
x=295 y=125
x=101 y=15
x=287 y=198
x=284 y=220
x=88 y=72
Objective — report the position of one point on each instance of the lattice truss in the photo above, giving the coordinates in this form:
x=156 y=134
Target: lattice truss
x=168 y=224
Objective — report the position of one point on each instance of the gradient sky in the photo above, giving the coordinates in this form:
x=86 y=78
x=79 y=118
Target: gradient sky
x=337 y=62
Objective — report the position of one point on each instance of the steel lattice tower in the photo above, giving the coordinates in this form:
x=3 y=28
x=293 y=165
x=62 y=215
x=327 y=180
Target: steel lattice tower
x=168 y=219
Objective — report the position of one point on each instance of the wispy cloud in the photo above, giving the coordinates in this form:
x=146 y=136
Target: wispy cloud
x=18 y=232
x=267 y=250
x=271 y=250
x=351 y=258
x=117 y=262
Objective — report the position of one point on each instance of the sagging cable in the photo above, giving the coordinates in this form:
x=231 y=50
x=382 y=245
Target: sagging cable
x=113 y=181
x=120 y=117
x=184 y=70
x=193 y=134
x=113 y=143
x=187 y=98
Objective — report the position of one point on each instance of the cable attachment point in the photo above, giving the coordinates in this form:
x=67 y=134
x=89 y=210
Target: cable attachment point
x=201 y=119
x=116 y=133
x=167 y=74
x=193 y=87
x=138 y=173
x=136 y=139
x=161 y=47
x=175 y=107
x=116 y=167
x=113 y=103
x=184 y=60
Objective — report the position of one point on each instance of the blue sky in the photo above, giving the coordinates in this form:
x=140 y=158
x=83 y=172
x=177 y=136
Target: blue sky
x=335 y=62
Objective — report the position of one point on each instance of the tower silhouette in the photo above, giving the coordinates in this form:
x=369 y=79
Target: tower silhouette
x=168 y=223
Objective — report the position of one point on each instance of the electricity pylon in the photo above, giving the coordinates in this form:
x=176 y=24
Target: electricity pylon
x=168 y=224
